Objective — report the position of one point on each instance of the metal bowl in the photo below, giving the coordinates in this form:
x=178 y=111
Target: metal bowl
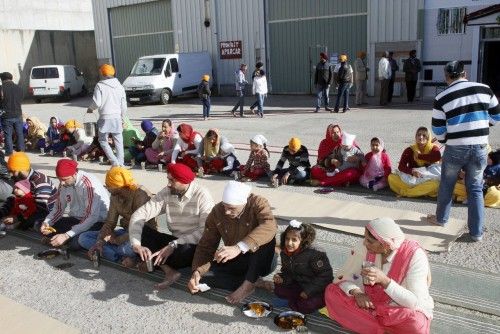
x=257 y=309
x=49 y=254
x=290 y=320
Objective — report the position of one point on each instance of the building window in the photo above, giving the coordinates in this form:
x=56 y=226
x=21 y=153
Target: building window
x=451 y=21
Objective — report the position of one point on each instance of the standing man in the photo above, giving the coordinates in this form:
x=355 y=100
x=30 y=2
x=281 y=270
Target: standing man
x=461 y=118
x=11 y=96
x=411 y=68
x=246 y=225
x=186 y=204
x=343 y=76
x=361 y=76
x=384 y=75
x=394 y=68
x=323 y=77
x=88 y=203
x=110 y=101
x=240 y=83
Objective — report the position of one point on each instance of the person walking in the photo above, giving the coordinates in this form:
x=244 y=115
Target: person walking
x=259 y=88
x=384 y=75
x=204 y=94
x=343 y=77
x=394 y=68
x=360 y=76
x=240 y=84
x=110 y=101
x=323 y=77
x=257 y=72
x=461 y=118
x=11 y=96
x=411 y=68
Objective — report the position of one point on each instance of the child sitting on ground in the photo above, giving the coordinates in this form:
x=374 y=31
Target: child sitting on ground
x=53 y=138
x=231 y=163
x=24 y=206
x=344 y=156
x=257 y=165
x=377 y=166
x=305 y=270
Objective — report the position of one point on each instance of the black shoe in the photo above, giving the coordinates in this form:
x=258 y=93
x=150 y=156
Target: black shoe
x=334 y=110
x=317 y=110
x=233 y=113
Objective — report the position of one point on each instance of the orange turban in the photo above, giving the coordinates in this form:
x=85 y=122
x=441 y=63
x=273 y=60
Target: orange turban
x=18 y=162
x=119 y=177
x=206 y=77
x=343 y=58
x=72 y=123
x=107 y=70
x=294 y=144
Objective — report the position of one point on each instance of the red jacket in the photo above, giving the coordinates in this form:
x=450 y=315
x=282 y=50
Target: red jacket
x=386 y=162
x=407 y=163
x=24 y=206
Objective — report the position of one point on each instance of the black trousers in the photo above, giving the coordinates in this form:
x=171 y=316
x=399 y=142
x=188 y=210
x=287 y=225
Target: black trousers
x=411 y=87
x=391 y=90
x=245 y=267
x=182 y=256
x=64 y=224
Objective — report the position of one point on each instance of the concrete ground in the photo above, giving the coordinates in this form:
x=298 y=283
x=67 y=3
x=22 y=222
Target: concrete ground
x=125 y=298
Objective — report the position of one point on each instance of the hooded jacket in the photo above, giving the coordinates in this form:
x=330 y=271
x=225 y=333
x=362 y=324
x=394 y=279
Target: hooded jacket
x=109 y=98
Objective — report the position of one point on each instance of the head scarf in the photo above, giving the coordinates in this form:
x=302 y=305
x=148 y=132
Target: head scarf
x=427 y=149
x=72 y=123
x=130 y=132
x=147 y=126
x=38 y=129
x=66 y=167
x=327 y=145
x=181 y=173
x=107 y=70
x=387 y=232
x=23 y=185
x=348 y=139
x=119 y=177
x=236 y=193
x=294 y=144
x=18 y=162
x=259 y=140
x=209 y=150
x=227 y=148
x=186 y=133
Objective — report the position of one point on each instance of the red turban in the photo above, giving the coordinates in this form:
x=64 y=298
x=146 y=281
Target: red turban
x=66 y=167
x=181 y=173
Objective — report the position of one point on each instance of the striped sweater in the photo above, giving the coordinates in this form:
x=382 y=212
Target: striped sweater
x=185 y=216
x=43 y=191
x=87 y=199
x=299 y=159
x=463 y=112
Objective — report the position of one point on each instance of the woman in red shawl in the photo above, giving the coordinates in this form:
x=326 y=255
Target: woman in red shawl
x=319 y=173
x=188 y=148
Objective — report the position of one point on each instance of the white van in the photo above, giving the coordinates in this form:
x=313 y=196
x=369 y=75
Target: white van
x=159 y=77
x=56 y=80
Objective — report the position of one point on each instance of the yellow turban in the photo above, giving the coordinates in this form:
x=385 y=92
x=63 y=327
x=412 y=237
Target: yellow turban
x=107 y=70
x=72 y=123
x=343 y=58
x=206 y=77
x=119 y=177
x=19 y=162
x=294 y=144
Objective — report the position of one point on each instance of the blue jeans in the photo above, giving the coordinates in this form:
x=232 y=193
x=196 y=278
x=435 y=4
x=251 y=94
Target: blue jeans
x=260 y=103
x=137 y=154
x=9 y=125
x=109 y=251
x=343 y=93
x=472 y=159
x=206 y=107
x=322 y=95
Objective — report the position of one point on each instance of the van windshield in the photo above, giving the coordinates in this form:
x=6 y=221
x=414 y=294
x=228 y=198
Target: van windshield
x=45 y=73
x=148 y=66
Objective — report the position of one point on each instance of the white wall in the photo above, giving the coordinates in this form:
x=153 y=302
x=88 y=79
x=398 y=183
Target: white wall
x=67 y=15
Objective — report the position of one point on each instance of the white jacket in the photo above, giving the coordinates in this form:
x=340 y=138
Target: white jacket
x=81 y=139
x=384 y=69
x=259 y=85
x=110 y=100
x=88 y=201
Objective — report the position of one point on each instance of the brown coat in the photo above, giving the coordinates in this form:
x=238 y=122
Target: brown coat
x=124 y=205
x=255 y=227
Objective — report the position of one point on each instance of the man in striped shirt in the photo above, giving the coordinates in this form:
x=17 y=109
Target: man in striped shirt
x=461 y=118
x=88 y=203
x=186 y=205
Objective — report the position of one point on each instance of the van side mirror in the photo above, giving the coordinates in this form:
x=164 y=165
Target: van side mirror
x=168 y=72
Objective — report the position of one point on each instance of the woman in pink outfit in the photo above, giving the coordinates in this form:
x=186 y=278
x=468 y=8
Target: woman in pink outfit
x=377 y=166
x=384 y=285
x=163 y=146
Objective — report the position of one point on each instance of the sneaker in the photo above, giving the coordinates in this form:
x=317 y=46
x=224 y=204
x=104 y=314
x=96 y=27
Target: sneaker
x=317 y=110
x=261 y=115
x=233 y=113
x=252 y=111
x=433 y=220
x=476 y=239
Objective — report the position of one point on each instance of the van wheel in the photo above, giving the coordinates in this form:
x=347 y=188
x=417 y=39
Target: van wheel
x=165 y=96
x=38 y=100
x=67 y=95
x=84 y=91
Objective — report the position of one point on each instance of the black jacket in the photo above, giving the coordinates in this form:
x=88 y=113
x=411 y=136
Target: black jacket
x=10 y=99
x=310 y=268
x=323 y=75
x=204 y=90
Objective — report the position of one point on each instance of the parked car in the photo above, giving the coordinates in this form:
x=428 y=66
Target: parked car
x=56 y=80
x=158 y=78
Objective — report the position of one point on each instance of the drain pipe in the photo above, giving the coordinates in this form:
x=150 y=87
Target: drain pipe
x=217 y=37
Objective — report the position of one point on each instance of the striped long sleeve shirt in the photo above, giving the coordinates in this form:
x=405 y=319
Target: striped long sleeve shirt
x=299 y=159
x=43 y=191
x=185 y=216
x=463 y=112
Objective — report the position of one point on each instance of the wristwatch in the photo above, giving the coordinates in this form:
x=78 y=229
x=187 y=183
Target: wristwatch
x=173 y=244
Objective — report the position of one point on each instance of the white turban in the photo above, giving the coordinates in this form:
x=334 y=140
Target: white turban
x=387 y=232
x=348 y=139
x=259 y=140
x=236 y=193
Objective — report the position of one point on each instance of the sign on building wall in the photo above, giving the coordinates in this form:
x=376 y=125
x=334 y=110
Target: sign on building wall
x=231 y=50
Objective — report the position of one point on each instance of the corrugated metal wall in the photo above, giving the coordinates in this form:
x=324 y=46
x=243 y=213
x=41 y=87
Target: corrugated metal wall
x=300 y=29
x=140 y=30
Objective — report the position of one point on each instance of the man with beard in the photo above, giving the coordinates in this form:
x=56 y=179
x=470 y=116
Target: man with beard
x=88 y=203
x=41 y=188
x=186 y=205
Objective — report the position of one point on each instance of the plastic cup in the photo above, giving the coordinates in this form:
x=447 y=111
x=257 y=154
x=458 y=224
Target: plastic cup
x=143 y=165
x=101 y=159
x=367 y=264
x=160 y=167
x=65 y=154
x=51 y=152
x=42 y=150
x=149 y=264
x=74 y=157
